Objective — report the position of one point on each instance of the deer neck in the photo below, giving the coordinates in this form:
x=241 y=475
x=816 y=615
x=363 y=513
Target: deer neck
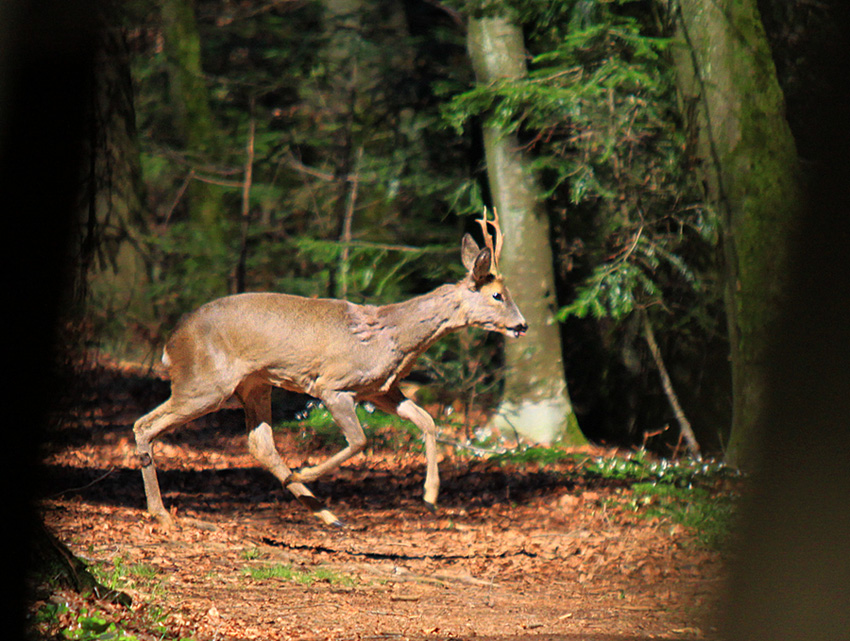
x=418 y=322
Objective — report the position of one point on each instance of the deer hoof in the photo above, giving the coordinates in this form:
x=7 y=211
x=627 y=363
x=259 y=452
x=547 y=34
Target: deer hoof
x=432 y=507
x=329 y=518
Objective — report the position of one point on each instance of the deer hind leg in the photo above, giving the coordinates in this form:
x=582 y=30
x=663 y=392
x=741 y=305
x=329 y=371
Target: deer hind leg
x=341 y=406
x=256 y=400
x=172 y=413
x=394 y=402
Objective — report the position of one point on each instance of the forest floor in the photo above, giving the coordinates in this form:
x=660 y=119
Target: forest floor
x=516 y=551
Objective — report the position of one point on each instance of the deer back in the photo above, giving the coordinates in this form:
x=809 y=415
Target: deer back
x=297 y=343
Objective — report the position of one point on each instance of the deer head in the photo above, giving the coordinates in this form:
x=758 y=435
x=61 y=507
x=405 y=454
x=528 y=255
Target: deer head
x=489 y=303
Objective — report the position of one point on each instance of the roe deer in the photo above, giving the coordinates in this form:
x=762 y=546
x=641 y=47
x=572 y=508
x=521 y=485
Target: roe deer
x=333 y=350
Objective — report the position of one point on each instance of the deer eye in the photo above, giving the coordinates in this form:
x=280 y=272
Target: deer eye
x=498 y=296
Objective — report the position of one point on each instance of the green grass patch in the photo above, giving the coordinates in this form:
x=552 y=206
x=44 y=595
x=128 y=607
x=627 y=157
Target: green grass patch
x=708 y=515
x=289 y=573
x=251 y=554
x=640 y=467
x=536 y=455
x=686 y=492
x=122 y=575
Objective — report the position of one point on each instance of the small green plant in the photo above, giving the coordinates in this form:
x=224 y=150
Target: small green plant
x=289 y=573
x=683 y=492
x=251 y=554
x=61 y=621
x=536 y=455
x=91 y=626
x=53 y=620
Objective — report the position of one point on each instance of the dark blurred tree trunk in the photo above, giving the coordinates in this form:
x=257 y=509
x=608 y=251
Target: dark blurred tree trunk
x=46 y=70
x=729 y=87
x=535 y=402
x=790 y=571
x=111 y=243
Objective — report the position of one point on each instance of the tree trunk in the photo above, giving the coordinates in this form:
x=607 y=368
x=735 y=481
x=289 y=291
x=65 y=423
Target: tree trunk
x=728 y=82
x=195 y=123
x=52 y=561
x=535 y=403
x=113 y=272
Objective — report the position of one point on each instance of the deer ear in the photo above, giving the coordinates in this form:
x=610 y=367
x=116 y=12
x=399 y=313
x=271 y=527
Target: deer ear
x=469 y=252
x=481 y=269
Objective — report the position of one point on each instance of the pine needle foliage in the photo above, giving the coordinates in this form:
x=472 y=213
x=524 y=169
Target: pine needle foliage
x=342 y=122
x=599 y=113
x=598 y=109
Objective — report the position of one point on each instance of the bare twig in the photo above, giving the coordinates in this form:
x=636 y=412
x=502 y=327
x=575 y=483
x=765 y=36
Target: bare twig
x=179 y=195
x=86 y=486
x=219 y=182
x=684 y=423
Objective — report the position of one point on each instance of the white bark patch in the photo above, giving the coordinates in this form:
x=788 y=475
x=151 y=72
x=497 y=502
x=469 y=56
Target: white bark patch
x=539 y=421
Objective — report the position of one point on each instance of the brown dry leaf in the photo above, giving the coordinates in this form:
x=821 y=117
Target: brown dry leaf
x=512 y=545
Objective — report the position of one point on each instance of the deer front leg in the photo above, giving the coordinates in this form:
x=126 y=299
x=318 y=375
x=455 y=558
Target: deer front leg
x=394 y=402
x=422 y=419
x=256 y=400
x=341 y=406
x=261 y=446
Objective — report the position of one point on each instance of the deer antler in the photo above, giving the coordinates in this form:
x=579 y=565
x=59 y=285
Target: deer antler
x=497 y=236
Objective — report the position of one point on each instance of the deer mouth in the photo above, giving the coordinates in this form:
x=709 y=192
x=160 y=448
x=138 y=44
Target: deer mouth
x=518 y=330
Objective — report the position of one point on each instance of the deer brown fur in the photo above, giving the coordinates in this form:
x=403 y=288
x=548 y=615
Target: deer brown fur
x=336 y=351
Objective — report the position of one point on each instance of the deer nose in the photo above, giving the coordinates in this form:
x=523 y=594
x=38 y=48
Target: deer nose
x=519 y=330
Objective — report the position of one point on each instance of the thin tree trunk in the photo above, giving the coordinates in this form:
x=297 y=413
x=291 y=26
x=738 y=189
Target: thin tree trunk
x=244 y=219
x=535 y=402
x=347 y=222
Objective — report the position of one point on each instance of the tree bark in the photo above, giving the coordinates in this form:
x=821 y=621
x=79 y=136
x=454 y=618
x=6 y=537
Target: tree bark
x=195 y=123
x=53 y=559
x=535 y=403
x=727 y=80
x=113 y=271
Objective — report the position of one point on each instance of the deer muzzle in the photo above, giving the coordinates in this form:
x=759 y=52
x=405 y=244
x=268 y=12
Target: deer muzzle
x=518 y=330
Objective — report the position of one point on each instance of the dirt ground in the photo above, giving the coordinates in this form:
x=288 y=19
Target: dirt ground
x=515 y=552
